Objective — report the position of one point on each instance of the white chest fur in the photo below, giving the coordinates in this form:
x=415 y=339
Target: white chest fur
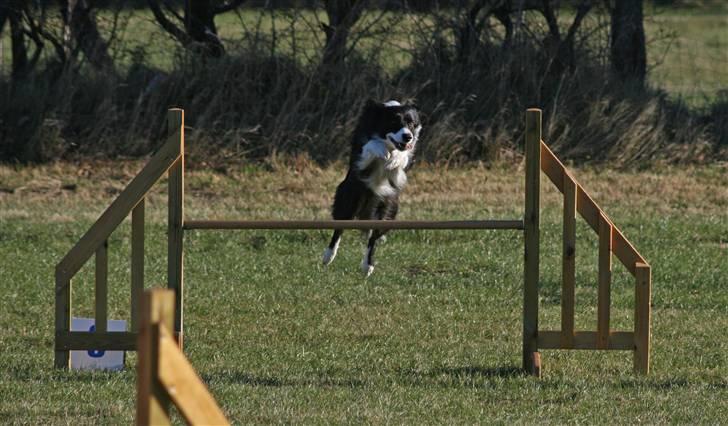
x=385 y=168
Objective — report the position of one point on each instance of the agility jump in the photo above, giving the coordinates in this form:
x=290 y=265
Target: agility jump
x=170 y=159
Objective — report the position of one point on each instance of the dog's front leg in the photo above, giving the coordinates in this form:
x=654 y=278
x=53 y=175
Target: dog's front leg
x=373 y=150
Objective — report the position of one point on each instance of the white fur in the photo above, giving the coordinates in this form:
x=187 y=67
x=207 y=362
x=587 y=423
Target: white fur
x=366 y=268
x=330 y=254
x=388 y=167
x=374 y=149
x=392 y=103
x=398 y=160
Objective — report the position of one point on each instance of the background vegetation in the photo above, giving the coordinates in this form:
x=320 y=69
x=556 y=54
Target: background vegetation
x=260 y=79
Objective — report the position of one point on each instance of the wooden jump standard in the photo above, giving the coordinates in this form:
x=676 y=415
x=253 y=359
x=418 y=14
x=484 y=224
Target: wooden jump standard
x=164 y=375
x=539 y=158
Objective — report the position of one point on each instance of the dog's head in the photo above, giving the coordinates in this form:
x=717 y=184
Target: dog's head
x=396 y=123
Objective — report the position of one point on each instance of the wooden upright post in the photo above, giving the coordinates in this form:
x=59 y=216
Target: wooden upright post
x=643 y=291
x=152 y=399
x=63 y=316
x=137 y=262
x=531 y=358
x=568 y=265
x=101 y=293
x=175 y=129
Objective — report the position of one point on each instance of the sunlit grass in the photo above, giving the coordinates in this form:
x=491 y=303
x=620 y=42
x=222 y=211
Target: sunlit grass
x=432 y=337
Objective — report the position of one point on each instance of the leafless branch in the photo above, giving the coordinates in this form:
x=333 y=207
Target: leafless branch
x=168 y=26
x=228 y=6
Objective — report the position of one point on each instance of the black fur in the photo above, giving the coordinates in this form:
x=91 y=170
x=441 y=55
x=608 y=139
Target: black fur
x=355 y=196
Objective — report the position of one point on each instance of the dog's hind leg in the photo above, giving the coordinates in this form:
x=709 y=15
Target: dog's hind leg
x=344 y=208
x=330 y=252
x=367 y=263
x=386 y=210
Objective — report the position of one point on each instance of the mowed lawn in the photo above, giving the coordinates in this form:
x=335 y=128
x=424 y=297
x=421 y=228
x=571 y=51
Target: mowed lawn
x=432 y=337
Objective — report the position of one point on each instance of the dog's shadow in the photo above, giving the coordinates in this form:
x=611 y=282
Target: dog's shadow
x=466 y=376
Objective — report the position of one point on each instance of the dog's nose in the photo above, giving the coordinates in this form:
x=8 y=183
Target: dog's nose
x=407 y=137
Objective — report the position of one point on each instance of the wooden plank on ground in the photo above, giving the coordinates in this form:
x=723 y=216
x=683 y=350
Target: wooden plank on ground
x=618 y=340
x=84 y=340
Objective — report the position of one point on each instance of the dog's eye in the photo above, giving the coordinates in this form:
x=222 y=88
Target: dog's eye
x=408 y=118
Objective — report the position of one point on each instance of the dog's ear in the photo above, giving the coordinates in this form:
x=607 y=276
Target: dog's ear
x=371 y=103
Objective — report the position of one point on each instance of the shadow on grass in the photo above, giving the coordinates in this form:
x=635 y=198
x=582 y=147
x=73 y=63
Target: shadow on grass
x=468 y=376
x=673 y=383
x=236 y=377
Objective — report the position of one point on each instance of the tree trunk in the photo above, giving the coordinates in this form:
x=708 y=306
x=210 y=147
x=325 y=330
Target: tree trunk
x=200 y=25
x=342 y=15
x=628 y=51
x=81 y=21
x=20 y=65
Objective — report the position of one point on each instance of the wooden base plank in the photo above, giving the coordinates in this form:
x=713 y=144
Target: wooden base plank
x=618 y=340
x=110 y=341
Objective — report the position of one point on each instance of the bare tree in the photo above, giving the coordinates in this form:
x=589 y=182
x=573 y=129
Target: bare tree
x=81 y=32
x=474 y=16
x=627 y=50
x=16 y=13
x=197 y=27
x=342 y=15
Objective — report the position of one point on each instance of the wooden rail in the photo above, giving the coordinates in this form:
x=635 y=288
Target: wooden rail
x=352 y=224
x=164 y=375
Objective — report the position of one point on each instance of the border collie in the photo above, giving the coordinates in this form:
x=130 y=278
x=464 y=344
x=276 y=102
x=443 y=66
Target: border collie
x=382 y=146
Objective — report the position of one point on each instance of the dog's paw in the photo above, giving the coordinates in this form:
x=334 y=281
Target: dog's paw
x=377 y=148
x=382 y=152
x=329 y=255
x=367 y=269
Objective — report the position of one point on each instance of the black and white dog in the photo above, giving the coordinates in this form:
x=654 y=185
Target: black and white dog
x=382 y=146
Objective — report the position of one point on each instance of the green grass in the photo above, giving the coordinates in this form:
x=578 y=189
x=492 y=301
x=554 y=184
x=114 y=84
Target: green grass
x=688 y=54
x=432 y=337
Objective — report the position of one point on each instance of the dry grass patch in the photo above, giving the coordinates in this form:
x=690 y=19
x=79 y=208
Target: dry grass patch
x=71 y=191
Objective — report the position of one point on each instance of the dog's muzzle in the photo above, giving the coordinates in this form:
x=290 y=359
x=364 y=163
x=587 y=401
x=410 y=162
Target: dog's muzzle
x=406 y=142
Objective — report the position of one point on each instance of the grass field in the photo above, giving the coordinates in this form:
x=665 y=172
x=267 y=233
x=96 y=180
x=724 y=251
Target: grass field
x=432 y=337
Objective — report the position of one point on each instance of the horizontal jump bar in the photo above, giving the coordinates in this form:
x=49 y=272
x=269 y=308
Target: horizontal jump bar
x=353 y=224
